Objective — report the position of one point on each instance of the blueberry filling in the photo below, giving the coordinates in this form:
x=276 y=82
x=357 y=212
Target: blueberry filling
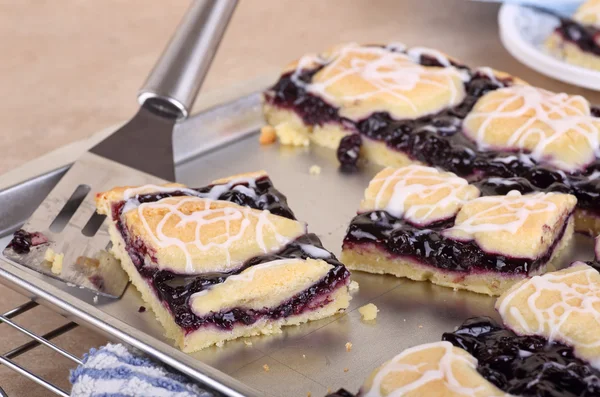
x=264 y=196
x=525 y=365
x=175 y=290
x=22 y=241
x=437 y=139
x=427 y=245
x=341 y=393
x=583 y=36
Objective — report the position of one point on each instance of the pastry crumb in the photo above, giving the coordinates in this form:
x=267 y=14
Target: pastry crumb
x=95 y=299
x=353 y=286
x=314 y=170
x=346 y=369
x=267 y=135
x=420 y=326
x=308 y=394
x=368 y=312
x=55 y=259
x=220 y=343
x=304 y=356
x=348 y=346
x=247 y=343
x=329 y=390
x=266 y=368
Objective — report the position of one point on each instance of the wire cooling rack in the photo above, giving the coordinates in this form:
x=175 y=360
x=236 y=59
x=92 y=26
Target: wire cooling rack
x=36 y=340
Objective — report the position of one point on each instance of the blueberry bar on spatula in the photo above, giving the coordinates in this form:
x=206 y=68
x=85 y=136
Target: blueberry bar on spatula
x=221 y=262
x=426 y=224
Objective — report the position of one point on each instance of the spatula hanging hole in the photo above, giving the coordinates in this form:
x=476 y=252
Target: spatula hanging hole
x=108 y=246
x=68 y=210
x=93 y=224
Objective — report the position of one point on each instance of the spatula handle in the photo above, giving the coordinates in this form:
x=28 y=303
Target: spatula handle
x=177 y=76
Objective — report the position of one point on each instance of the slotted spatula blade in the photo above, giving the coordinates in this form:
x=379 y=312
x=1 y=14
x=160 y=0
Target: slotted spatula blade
x=139 y=153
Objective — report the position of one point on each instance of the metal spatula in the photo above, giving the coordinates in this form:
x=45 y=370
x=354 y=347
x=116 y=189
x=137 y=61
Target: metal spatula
x=140 y=152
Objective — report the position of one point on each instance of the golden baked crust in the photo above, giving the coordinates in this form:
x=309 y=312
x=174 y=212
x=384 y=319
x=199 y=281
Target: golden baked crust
x=283 y=279
x=522 y=226
x=571 y=52
x=361 y=80
x=192 y=235
x=420 y=194
x=588 y=13
x=555 y=128
x=562 y=305
x=433 y=369
x=372 y=259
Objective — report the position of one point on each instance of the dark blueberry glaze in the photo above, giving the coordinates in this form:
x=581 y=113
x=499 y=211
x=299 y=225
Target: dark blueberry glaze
x=22 y=241
x=349 y=150
x=583 y=36
x=437 y=139
x=175 y=290
x=528 y=366
x=427 y=245
x=266 y=196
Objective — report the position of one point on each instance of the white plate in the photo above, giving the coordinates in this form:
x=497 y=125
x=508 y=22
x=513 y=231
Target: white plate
x=523 y=32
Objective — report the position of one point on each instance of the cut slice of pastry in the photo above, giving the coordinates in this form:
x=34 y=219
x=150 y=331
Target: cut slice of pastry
x=397 y=106
x=425 y=224
x=550 y=345
x=432 y=369
x=562 y=306
x=576 y=39
x=222 y=262
x=387 y=95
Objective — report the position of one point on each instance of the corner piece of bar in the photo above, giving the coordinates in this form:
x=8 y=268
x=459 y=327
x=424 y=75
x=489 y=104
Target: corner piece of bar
x=425 y=224
x=224 y=261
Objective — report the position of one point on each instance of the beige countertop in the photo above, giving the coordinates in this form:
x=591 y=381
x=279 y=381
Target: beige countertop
x=70 y=71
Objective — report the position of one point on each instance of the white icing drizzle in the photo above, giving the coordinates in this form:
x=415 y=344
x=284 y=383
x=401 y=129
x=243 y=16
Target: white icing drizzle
x=556 y=111
x=578 y=300
x=408 y=182
x=444 y=372
x=391 y=72
x=507 y=213
x=204 y=218
x=315 y=252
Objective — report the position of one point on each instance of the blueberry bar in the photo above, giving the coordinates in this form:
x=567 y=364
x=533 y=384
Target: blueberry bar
x=547 y=346
x=221 y=262
x=426 y=224
x=575 y=39
x=395 y=106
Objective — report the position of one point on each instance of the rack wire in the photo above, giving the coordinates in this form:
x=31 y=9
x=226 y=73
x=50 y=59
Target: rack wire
x=6 y=359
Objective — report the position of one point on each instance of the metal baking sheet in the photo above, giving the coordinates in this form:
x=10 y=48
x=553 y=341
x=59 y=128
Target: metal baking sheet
x=308 y=358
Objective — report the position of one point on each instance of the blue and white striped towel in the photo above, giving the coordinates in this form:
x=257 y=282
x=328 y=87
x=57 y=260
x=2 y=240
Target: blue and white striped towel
x=114 y=371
